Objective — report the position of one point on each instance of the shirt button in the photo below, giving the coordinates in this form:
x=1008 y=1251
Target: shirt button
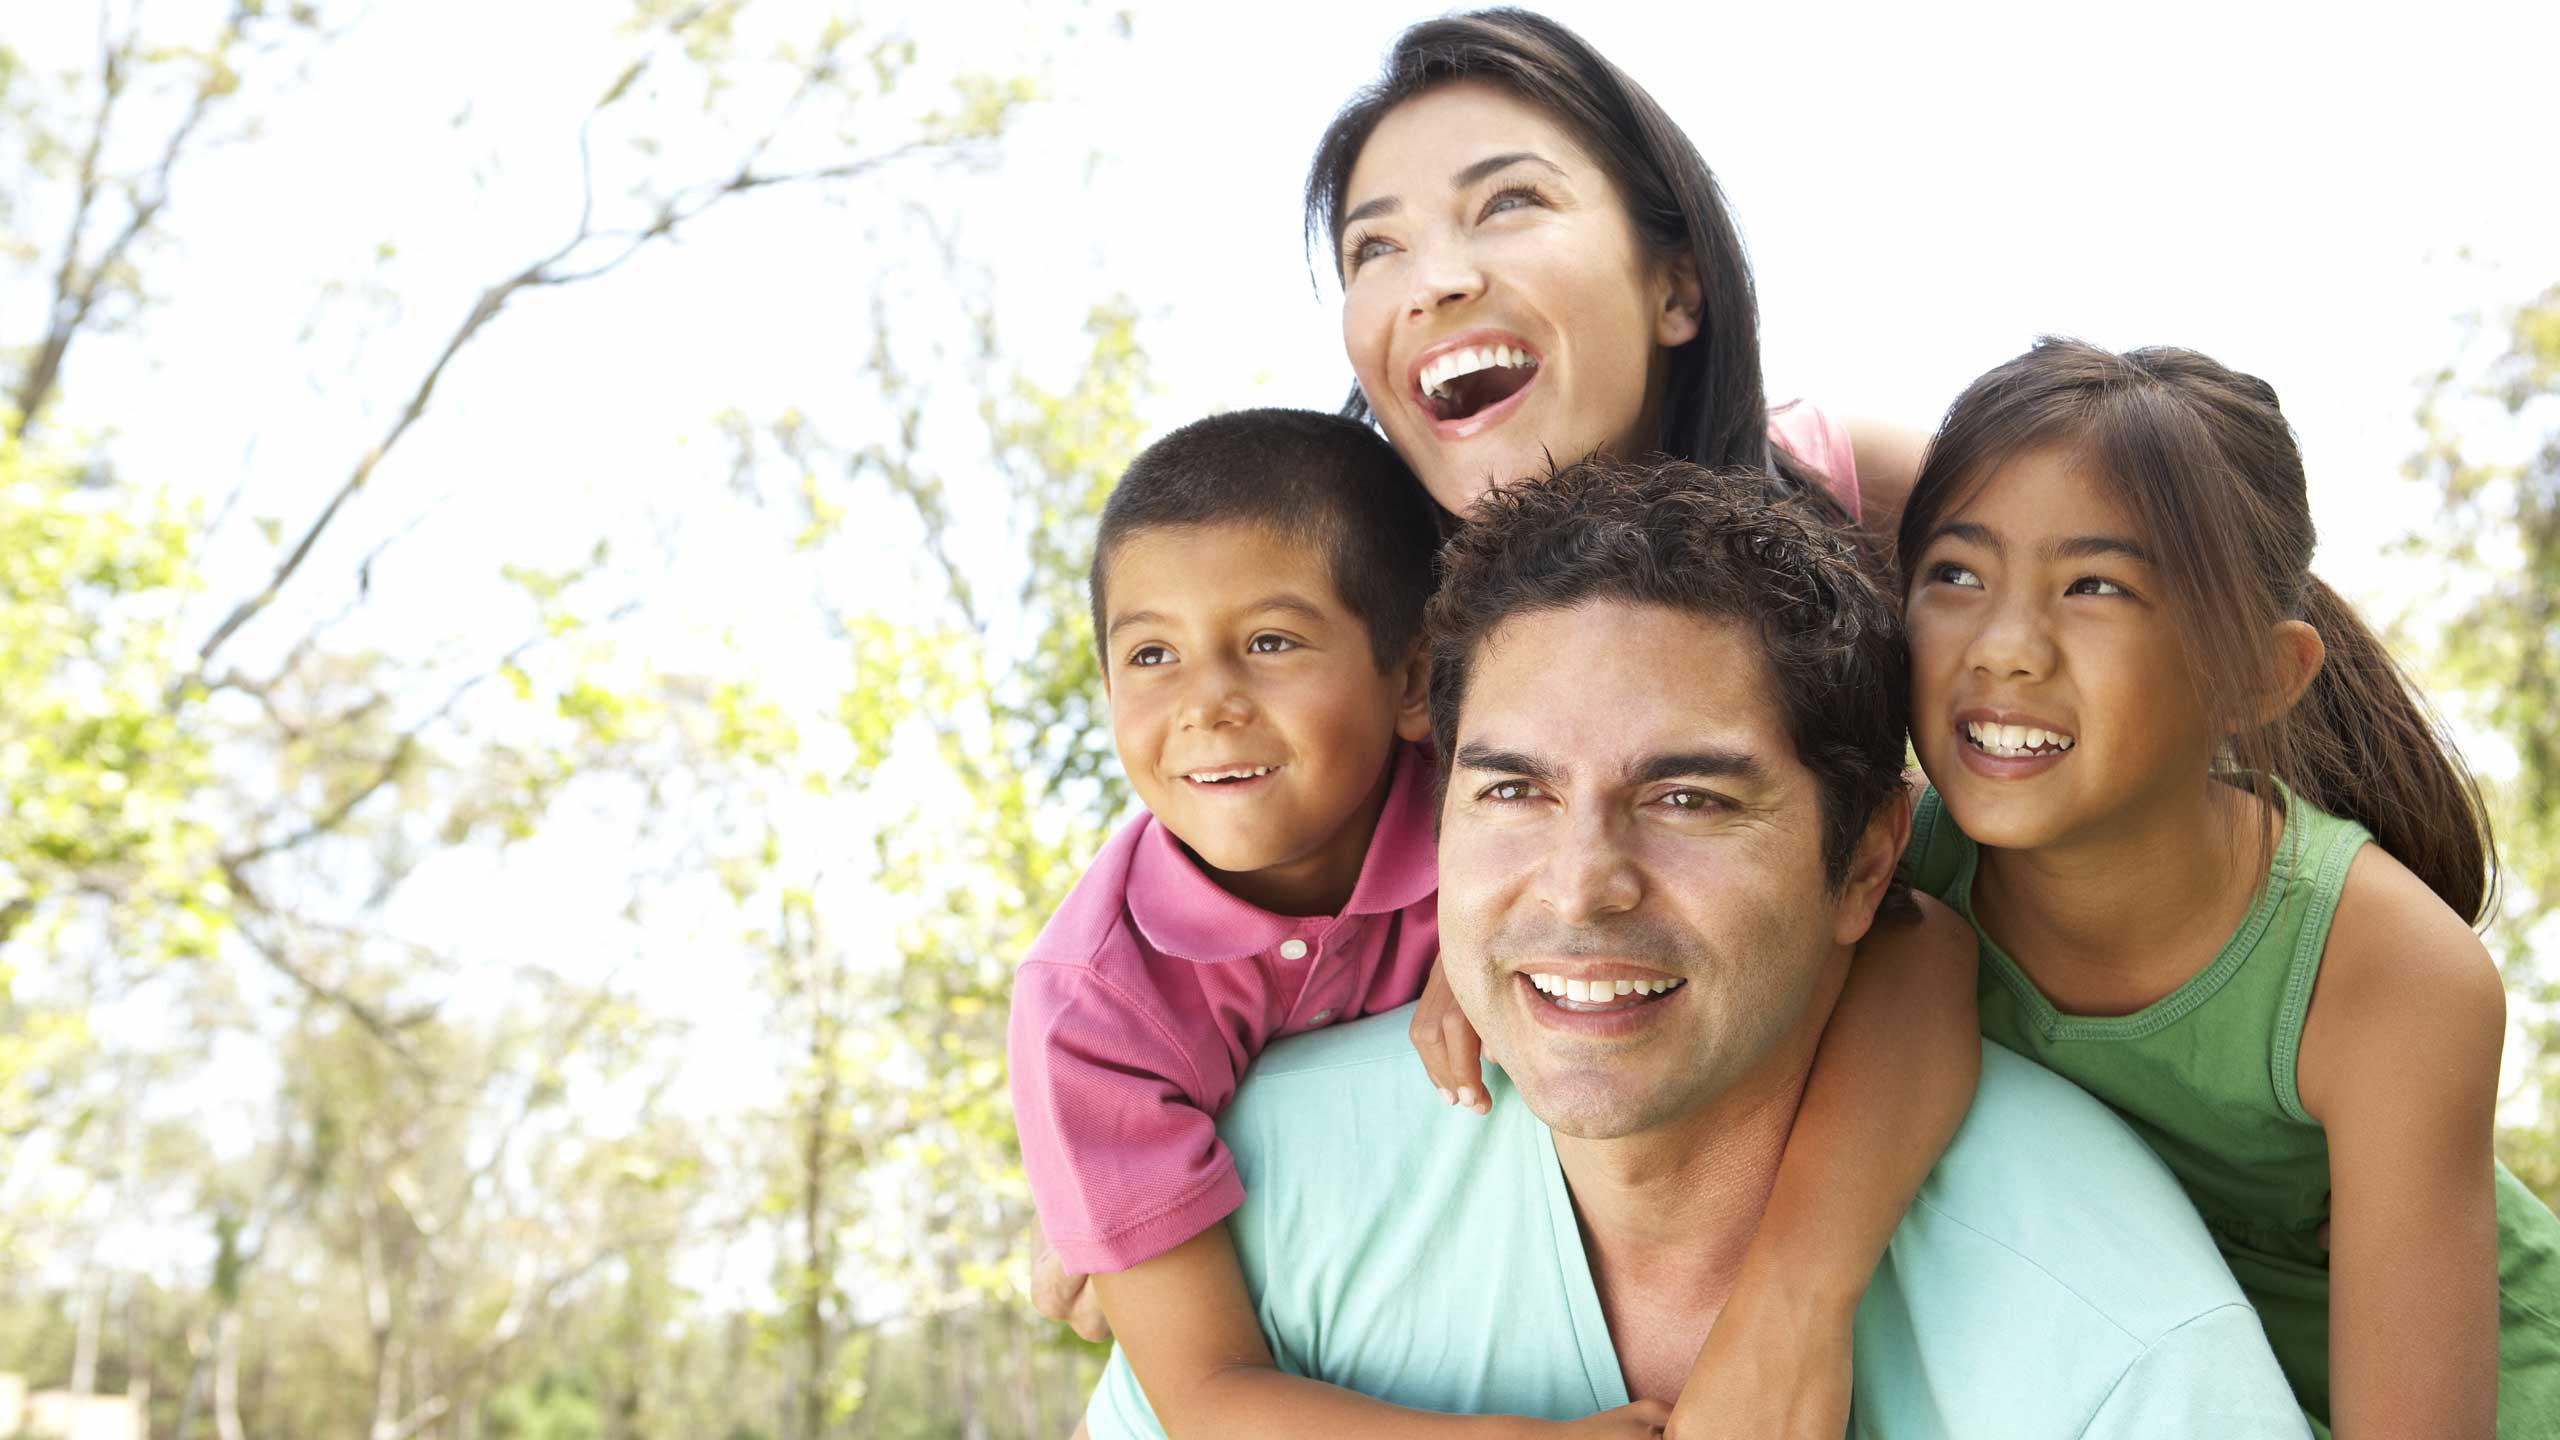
x=1319 y=1017
x=1293 y=949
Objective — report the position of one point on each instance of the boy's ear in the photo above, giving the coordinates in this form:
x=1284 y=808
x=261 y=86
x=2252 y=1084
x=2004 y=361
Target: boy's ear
x=1413 y=703
x=1684 y=304
x=1871 y=866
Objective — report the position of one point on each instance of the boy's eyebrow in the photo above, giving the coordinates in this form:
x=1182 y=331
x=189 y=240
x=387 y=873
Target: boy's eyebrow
x=1469 y=175
x=1282 y=601
x=1126 y=619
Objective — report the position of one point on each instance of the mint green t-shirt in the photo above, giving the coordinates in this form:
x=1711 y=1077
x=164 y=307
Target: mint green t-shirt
x=2049 y=1280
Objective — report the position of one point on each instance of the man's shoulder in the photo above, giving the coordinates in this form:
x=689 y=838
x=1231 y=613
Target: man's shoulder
x=2044 y=1175
x=1310 y=1079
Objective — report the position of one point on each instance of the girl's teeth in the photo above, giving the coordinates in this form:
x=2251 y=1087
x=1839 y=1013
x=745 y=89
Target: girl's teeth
x=2011 y=742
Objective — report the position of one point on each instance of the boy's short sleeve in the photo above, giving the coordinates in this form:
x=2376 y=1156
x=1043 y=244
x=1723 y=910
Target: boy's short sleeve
x=1818 y=439
x=1117 y=1137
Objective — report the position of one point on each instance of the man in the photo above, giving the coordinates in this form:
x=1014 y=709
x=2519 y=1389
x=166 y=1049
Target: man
x=1672 y=713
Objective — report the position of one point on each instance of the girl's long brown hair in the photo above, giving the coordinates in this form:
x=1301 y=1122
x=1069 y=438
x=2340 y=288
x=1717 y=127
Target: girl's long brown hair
x=2203 y=459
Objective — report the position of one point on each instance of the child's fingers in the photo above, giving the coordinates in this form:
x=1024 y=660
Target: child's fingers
x=1060 y=1294
x=1463 y=1053
x=1431 y=1039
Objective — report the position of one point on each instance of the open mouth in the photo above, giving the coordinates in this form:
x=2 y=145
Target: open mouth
x=1232 y=777
x=1470 y=379
x=2016 y=742
x=1599 y=997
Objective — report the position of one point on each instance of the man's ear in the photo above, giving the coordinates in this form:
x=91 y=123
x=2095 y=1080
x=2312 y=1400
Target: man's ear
x=2299 y=652
x=1871 y=867
x=1683 y=304
x=1413 y=701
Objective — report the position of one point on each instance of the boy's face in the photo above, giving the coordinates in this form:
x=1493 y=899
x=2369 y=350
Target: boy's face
x=1248 y=709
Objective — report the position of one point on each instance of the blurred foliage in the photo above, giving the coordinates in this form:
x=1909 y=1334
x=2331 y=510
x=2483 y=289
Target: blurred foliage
x=2491 y=448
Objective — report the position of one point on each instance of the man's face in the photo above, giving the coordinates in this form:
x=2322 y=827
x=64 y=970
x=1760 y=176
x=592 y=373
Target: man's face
x=1625 y=810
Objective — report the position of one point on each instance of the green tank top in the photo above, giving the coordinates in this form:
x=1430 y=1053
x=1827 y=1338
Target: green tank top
x=2206 y=1076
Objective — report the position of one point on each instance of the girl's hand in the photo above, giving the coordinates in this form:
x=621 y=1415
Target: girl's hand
x=1641 y=1421
x=1060 y=1294
x=1451 y=1053
x=1771 y=1372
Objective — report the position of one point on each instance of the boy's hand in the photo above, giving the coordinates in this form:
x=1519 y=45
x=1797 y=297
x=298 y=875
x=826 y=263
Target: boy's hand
x=1450 y=1050
x=1769 y=1372
x=1062 y=1295
x=1641 y=1421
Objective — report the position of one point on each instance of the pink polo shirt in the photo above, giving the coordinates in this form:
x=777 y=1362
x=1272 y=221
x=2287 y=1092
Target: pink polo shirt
x=1822 y=442
x=1149 y=992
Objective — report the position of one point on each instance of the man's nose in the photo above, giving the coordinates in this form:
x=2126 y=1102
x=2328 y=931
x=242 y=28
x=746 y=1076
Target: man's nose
x=1591 y=873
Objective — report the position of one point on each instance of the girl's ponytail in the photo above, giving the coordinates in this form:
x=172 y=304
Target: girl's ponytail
x=2362 y=743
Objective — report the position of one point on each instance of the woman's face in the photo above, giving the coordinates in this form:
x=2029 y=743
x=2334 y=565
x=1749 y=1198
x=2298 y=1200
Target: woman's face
x=1497 y=304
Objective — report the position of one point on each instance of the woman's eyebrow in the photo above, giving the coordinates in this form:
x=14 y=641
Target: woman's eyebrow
x=1389 y=204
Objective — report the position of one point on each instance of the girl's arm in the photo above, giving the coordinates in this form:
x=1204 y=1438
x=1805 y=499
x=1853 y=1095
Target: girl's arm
x=1888 y=455
x=1891 y=1081
x=1186 y=1323
x=2399 y=1064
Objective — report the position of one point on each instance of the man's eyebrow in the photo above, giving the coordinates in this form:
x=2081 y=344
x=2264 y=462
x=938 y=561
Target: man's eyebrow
x=1477 y=756
x=1389 y=204
x=1698 y=764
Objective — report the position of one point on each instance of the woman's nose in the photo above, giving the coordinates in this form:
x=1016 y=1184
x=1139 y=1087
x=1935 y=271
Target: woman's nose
x=1447 y=274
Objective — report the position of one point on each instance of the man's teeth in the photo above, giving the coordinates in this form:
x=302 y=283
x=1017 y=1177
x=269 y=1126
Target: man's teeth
x=1252 y=772
x=1469 y=360
x=2011 y=742
x=1593 y=991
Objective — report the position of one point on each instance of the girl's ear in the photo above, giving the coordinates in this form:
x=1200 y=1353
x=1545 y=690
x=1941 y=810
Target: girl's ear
x=1683 y=303
x=2299 y=651
x=1413 y=704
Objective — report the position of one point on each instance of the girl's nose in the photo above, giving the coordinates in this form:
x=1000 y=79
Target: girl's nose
x=2015 y=641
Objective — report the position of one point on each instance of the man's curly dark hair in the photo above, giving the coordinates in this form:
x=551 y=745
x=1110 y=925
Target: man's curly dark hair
x=1719 y=544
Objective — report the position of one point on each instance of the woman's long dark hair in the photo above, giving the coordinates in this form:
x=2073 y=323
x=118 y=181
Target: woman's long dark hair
x=1714 y=412
x=2203 y=460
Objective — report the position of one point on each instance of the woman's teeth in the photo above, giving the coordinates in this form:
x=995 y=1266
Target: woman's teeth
x=2013 y=742
x=1591 y=992
x=1469 y=360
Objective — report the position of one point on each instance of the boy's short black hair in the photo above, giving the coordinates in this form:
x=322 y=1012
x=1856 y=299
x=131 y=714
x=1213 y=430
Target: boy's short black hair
x=1320 y=479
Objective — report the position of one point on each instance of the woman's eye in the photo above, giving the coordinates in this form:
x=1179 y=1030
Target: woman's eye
x=1947 y=572
x=1512 y=198
x=1148 y=656
x=1360 y=249
x=2095 y=585
x=1269 y=644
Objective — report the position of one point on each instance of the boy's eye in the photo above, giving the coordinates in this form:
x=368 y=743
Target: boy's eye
x=2095 y=585
x=1268 y=644
x=1948 y=572
x=1149 y=656
x=1508 y=792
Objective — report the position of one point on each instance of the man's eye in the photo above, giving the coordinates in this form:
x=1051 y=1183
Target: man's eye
x=1695 y=801
x=2095 y=585
x=1269 y=644
x=1947 y=572
x=1148 y=656
x=1509 y=791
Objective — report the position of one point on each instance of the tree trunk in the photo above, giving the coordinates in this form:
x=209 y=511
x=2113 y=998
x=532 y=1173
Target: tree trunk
x=226 y=1376
x=84 y=1344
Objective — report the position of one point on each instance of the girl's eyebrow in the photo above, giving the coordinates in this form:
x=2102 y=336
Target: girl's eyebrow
x=2076 y=547
x=1469 y=175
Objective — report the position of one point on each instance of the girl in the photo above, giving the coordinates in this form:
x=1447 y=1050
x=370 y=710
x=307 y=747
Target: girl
x=2160 y=748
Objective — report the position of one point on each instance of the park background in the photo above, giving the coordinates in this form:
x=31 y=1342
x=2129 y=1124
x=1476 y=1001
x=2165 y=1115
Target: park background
x=543 y=678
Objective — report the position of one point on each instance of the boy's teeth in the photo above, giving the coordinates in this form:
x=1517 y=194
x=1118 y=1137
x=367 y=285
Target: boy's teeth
x=2010 y=742
x=1255 y=772
x=1467 y=361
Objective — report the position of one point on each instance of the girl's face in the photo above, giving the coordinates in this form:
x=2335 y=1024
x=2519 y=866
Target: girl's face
x=2050 y=695
x=1497 y=306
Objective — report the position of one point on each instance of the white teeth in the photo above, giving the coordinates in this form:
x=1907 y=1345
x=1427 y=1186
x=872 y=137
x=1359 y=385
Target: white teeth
x=2011 y=742
x=1211 y=776
x=1595 y=991
x=1623 y=986
x=1467 y=360
x=1577 y=989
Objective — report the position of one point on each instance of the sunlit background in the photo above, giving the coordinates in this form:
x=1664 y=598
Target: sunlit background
x=541 y=680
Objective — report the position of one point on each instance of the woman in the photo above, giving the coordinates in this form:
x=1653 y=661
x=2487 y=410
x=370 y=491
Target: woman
x=1517 y=223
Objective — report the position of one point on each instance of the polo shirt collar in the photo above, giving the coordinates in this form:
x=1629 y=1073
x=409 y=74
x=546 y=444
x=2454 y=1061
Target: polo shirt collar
x=1183 y=912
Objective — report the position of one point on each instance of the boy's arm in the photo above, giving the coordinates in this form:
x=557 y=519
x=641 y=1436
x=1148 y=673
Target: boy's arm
x=1891 y=1081
x=1187 y=1325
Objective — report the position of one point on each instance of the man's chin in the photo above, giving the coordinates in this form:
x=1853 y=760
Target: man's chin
x=1591 y=1105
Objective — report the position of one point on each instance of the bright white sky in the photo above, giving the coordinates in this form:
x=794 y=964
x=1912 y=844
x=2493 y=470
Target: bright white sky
x=1923 y=190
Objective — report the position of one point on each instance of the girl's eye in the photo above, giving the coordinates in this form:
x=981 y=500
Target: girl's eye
x=1948 y=572
x=1509 y=792
x=2095 y=585
x=1511 y=197
x=1269 y=645
x=1147 y=657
